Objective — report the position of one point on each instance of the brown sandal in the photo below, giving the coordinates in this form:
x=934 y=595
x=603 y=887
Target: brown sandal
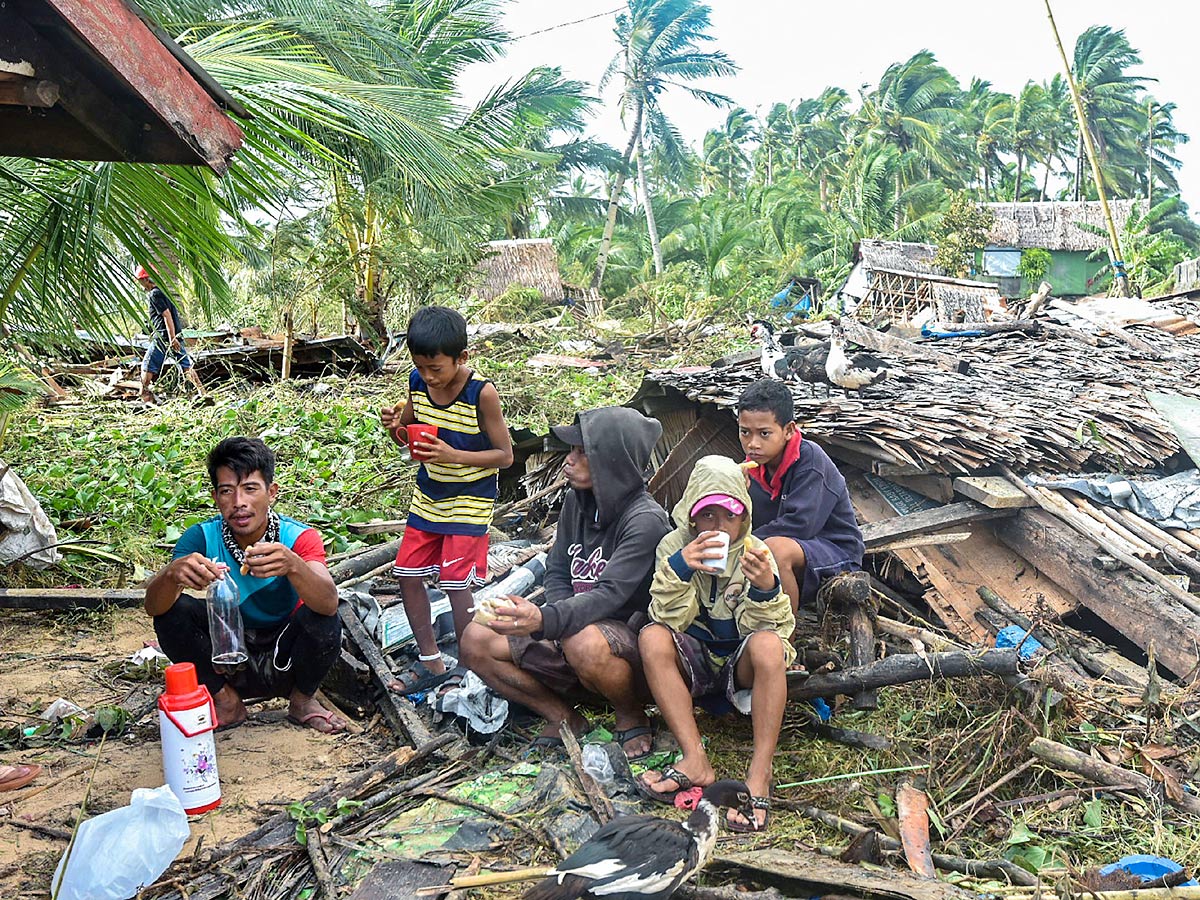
x=667 y=797
x=763 y=803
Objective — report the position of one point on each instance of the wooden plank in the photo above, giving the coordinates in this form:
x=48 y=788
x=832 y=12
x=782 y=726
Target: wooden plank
x=935 y=487
x=1141 y=611
x=923 y=540
x=378 y=526
x=993 y=491
x=67 y=598
x=1088 y=315
x=806 y=873
x=886 y=343
x=400 y=879
x=928 y=521
x=400 y=714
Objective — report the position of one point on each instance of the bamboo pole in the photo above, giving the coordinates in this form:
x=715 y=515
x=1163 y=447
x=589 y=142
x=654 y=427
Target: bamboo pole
x=1114 y=247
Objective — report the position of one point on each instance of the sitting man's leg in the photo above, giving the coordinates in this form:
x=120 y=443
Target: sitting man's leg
x=605 y=658
x=760 y=668
x=665 y=675
x=497 y=660
x=789 y=558
x=318 y=642
x=183 y=635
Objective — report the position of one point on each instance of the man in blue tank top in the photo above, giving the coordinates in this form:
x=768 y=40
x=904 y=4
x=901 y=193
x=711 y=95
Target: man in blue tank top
x=288 y=599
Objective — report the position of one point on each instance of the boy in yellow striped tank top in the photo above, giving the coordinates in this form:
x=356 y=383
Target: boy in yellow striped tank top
x=447 y=532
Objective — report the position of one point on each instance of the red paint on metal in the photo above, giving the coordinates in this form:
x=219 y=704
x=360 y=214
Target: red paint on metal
x=137 y=56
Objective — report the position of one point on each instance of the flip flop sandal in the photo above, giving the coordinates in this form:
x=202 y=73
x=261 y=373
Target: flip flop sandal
x=763 y=803
x=14 y=777
x=665 y=797
x=417 y=678
x=637 y=731
x=452 y=679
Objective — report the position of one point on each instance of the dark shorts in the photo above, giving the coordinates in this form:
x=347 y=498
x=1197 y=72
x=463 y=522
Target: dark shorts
x=705 y=678
x=822 y=560
x=545 y=660
x=157 y=354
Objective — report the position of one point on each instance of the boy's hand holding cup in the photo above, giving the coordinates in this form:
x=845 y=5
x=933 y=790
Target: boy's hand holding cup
x=422 y=440
x=709 y=552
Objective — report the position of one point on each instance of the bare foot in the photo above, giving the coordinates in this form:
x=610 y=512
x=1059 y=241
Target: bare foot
x=231 y=710
x=148 y=397
x=306 y=711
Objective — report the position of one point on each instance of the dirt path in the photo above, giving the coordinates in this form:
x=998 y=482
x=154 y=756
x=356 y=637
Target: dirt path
x=264 y=764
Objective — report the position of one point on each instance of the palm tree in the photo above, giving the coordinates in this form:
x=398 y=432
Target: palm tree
x=914 y=110
x=988 y=114
x=659 y=48
x=1109 y=95
x=725 y=148
x=1060 y=132
x=1161 y=139
x=775 y=136
x=1031 y=114
x=822 y=138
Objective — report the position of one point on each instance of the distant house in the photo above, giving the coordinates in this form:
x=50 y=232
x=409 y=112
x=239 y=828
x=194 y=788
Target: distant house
x=899 y=281
x=531 y=263
x=1055 y=227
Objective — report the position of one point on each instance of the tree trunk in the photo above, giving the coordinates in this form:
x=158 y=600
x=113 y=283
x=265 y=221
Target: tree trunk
x=610 y=223
x=770 y=167
x=1079 y=169
x=647 y=201
x=1020 y=172
x=1046 y=180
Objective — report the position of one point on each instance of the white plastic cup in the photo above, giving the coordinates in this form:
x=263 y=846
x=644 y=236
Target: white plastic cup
x=719 y=563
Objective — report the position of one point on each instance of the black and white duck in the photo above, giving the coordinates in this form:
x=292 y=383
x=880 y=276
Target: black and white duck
x=644 y=857
x=803 y=361
x=851 y=373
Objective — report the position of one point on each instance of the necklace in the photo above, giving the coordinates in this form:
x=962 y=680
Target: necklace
x=270 y=536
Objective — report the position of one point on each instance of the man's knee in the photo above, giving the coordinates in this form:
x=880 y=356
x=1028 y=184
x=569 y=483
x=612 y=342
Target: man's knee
x=324 y=629
x=765 y=649
x=186 y=612
x=587 y=651
x=479 y=646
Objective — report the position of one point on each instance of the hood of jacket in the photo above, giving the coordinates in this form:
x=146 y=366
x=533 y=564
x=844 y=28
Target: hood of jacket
x=713 y=475
x=618 y=442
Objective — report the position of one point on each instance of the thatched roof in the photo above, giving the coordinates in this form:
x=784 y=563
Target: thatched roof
x=1055 y=225
x=897 y=256
x=530 y=263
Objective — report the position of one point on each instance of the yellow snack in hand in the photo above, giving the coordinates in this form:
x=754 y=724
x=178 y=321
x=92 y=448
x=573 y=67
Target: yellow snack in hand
x=485 y=610
x=748 y=465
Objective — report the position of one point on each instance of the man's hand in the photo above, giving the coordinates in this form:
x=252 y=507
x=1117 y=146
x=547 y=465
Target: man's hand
x=756 y=563
x=706 y=546
x=521 y=618
x=270 y=561
x=196 y=571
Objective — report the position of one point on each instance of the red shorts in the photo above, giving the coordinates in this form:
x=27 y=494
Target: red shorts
x=457 y=561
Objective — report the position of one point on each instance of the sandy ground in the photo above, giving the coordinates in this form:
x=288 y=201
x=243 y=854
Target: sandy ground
x=263 y=765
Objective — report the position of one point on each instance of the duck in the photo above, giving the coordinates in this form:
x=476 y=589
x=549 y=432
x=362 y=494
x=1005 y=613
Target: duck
x=851 y=373
x=644 y=857
x=798 y=361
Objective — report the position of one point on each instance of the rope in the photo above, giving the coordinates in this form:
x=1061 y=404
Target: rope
x=565 y=24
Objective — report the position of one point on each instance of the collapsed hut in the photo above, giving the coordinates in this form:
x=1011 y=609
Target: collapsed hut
x=529 y=263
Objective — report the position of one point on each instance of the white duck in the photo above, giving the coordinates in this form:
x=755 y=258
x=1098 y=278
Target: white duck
x=851 y=373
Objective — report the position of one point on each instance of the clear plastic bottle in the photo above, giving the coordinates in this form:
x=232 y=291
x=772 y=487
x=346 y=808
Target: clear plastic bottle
x=518 y=582
x=225 y=622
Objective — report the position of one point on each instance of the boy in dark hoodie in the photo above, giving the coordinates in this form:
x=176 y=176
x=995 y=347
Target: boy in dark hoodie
x=802 y=509
x=583 y=639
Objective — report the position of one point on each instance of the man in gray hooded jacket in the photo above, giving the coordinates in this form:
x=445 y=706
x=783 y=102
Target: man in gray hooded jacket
x=583 y=639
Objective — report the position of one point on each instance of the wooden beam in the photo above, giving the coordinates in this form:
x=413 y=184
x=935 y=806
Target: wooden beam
x=67 y=598
x=886 y=343
x=1116 y=331
x=30 y=92
x=928 y=521
x=993 y=491
x=923 y=540
x=1141 y=611
x=379 y=526
x=935 y=487
x=400 y=714
x=903 y=668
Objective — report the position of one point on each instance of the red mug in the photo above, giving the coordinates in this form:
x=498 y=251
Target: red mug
x=419 y=432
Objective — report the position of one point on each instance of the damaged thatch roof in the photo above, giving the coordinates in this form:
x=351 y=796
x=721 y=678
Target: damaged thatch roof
x=1055 y=225
x=1024 y=403
x=897 y=256
x=529 y=263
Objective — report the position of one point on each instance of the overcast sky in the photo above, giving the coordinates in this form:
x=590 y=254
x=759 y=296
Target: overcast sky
x=790 y=50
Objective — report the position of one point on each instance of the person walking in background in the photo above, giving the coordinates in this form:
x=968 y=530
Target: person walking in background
x=166 y=333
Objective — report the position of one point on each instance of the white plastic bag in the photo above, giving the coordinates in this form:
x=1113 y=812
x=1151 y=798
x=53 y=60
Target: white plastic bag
x=118 y=853
x=596 y=763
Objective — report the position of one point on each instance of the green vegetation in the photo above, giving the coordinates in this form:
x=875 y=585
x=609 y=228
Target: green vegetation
x=1034 y=265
